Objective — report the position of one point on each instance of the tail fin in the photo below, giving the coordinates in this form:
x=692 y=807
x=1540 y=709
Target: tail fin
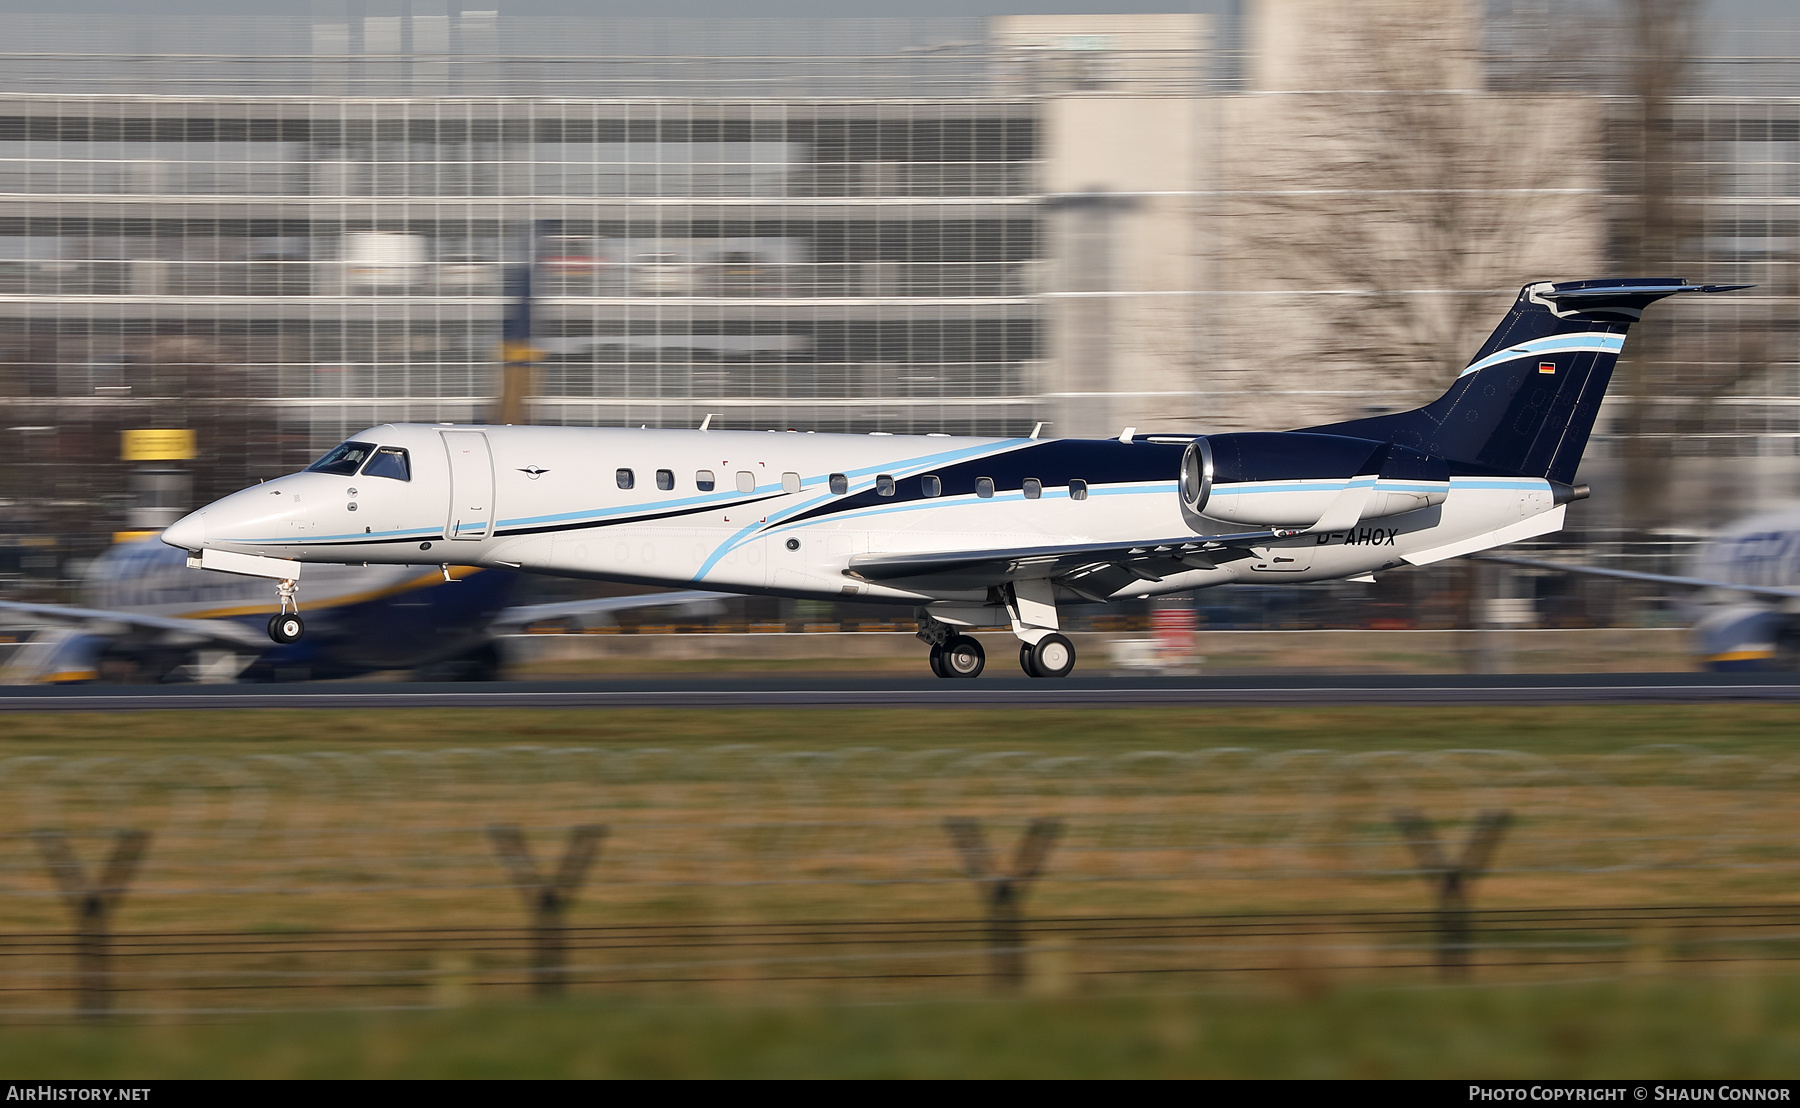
x=1528 y=400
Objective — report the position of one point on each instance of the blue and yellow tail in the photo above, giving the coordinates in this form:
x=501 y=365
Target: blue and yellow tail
x=1528 y=400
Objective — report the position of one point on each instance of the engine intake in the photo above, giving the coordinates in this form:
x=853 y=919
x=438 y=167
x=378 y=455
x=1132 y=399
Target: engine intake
x=1196 y=475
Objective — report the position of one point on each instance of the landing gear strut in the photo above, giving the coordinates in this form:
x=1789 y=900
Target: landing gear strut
x=287 y=626
x=1043 y=652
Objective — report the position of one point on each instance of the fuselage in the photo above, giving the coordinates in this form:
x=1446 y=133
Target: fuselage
x=787 y=513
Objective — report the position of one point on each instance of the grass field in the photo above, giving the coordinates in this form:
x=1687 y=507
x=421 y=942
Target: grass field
x=273 y=821
x=1757 y=729
x=1732 y=1028
x=771 y=814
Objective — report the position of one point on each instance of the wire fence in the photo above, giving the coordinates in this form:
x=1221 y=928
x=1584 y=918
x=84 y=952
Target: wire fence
x=198 y=972
x=394 y=877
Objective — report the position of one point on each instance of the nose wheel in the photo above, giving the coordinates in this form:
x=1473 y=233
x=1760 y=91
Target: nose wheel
x=287 y=626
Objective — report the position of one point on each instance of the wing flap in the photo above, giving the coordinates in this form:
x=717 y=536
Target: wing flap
x=1030 y=562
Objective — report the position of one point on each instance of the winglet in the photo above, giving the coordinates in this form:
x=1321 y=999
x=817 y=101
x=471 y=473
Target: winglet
x=1346 y=508
x=1125 y=435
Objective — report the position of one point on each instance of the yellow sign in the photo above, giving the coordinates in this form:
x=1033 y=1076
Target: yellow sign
x=165 y=444
x=515 y=353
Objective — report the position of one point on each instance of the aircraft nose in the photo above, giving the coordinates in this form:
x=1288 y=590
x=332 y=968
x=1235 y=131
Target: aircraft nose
x=188 y=532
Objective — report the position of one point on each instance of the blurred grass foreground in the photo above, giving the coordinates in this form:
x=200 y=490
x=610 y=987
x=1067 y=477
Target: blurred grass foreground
x=1737 y=1028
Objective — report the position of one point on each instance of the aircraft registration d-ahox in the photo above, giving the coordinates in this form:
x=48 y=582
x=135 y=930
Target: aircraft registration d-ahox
x=971 y=532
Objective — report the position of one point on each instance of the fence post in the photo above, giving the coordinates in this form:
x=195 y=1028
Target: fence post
x=546 y=899
x=1452 y=879
x=92 y=906
x=1004 y=893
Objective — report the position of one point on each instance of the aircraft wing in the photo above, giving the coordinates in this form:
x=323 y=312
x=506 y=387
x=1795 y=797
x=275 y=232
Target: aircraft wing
x=524 y=615
x=1653 y=578
x=222 y=630
x=1150 y=561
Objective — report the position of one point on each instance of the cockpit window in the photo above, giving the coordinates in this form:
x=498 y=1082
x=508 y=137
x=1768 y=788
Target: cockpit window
x=344 y=460
x=389 y=461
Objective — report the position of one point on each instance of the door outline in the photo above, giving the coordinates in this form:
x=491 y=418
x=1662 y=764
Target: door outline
x=471 y=515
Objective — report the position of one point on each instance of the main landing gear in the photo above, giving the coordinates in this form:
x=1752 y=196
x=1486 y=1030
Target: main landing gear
x=1030 y=606
x=958 y=656
x=1051 y=656
x=286 y=626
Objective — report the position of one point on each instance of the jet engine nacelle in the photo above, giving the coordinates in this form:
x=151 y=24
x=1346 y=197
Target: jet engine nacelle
x=1290 y=480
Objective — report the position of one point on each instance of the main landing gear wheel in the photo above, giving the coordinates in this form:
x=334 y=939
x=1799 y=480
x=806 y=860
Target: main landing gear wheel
x=961 y=657
x=286 y=627
x=1050 y=656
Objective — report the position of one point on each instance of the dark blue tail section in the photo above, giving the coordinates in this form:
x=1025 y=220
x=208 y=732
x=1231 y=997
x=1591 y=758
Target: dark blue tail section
x=1528 y=400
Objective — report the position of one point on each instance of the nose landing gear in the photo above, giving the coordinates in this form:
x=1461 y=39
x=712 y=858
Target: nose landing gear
x=287 y=626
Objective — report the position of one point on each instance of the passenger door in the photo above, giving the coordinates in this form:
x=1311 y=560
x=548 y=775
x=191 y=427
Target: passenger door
x=471 y=485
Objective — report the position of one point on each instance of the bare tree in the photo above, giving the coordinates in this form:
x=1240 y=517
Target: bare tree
x=1401 y=203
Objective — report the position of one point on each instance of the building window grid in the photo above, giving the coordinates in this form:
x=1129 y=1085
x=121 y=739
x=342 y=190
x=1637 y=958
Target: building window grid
x=422 y=350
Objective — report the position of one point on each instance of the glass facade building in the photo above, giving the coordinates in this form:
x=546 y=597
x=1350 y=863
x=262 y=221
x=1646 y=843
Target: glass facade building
x=278 y=231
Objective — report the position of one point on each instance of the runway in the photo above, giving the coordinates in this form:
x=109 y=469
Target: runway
x=909 y=692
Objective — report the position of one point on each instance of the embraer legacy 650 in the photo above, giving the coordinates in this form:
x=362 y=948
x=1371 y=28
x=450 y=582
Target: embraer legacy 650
x=971 y=532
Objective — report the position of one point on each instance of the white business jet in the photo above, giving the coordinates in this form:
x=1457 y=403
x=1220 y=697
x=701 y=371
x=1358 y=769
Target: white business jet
x=970 y=532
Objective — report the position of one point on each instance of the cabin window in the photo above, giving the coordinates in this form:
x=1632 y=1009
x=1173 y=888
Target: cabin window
x=389 y=461
x=839 y=484
x=344 y=459
x=625 y=477
x=790 y=482
x=665 y=479
x=930 y=485
x=1077 y=489
x=984 y=487
x=704 y=480
x=884 y=484
x=746 y=481
x=1033 y=488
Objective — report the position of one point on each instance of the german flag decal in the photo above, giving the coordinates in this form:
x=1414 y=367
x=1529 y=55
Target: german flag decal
x=1546 y=367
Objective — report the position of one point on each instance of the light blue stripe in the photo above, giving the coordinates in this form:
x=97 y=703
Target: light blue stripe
x=1598 y=342
x=1163 y=488
x=903 y=468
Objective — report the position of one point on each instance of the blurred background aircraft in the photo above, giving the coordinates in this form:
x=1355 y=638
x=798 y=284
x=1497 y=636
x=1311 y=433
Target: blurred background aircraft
x=148 y=617
x=1742 y=588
